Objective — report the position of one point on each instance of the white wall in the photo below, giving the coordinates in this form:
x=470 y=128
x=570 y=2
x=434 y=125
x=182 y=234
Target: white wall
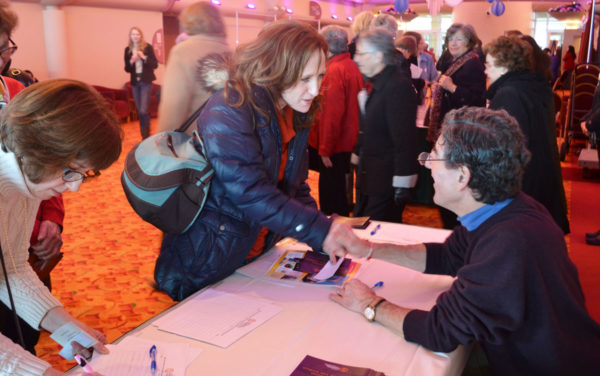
x=29 y=36
x=96 y=36
x=517 y=16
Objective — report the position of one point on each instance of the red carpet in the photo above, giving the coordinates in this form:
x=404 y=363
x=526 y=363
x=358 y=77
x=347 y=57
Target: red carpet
x=585 y=217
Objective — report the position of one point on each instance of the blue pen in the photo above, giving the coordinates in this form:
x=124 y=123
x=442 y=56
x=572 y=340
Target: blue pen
x=374 y=231
x=153 y=360
x=378 y=284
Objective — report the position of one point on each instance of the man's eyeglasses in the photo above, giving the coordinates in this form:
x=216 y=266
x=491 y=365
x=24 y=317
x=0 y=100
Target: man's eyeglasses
x=426 y=157
x=10 y=49
x=69 y=176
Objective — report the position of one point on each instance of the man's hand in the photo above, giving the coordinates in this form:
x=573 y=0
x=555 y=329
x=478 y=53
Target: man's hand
x=354 y=159
x=354 y=295
x=584 y=128
x=326 y=162
x=401 y=195
x=49 y=240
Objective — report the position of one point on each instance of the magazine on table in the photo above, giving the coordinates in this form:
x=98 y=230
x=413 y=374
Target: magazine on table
x=311 y=366
x=303 y=266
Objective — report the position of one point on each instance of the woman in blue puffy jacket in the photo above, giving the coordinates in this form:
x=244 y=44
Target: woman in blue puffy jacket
x=255 y=133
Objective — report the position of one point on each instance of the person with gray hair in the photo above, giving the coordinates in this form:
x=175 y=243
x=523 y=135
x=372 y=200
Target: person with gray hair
x=386 y=21
x=335 y=130
x=516 y=293
x=182 y=91
x=387 y=145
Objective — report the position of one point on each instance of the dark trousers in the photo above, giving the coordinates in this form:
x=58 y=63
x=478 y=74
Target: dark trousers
x=379 y=207
x=332 y=185
x=31 y=336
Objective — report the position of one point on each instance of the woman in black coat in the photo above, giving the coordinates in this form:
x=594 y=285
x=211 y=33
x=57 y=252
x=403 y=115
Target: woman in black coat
x=528 y=97
x=387 y=167
x=140 y=63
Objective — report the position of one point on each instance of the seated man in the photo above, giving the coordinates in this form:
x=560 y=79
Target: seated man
x=516 y=291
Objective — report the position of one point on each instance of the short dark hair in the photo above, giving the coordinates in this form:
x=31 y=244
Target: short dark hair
x=491 y=145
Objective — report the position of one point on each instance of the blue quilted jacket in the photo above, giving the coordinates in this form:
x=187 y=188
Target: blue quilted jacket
x=244 y=148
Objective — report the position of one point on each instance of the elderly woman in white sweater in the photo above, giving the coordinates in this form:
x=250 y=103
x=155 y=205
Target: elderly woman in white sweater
x=53 y=136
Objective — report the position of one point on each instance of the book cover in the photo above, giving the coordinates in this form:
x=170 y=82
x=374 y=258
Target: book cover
x=311 y=366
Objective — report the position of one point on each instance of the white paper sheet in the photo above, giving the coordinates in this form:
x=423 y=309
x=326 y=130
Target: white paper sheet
x=68 y=333
x=130 y=357
x=218 y=318
x=328 y=270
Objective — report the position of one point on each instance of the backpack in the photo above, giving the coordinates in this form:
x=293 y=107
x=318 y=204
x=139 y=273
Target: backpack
x=166 y=178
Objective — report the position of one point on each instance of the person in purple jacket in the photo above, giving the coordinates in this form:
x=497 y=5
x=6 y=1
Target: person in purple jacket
x=516 y=293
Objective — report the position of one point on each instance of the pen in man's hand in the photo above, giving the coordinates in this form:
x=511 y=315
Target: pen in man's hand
x=84 y=364
x=153 y=360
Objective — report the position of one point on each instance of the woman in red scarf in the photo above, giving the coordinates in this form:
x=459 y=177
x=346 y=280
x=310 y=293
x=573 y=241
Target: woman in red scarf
x=462 y=83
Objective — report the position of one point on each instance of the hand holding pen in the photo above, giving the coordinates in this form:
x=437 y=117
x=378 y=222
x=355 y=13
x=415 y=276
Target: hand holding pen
x=83 y=363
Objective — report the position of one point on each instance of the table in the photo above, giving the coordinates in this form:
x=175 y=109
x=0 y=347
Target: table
x=312 y=324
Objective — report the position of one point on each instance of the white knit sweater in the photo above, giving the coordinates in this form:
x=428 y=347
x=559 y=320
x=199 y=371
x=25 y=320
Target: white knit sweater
x=18 y=210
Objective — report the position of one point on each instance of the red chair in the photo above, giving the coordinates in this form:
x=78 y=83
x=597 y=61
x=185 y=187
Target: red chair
x=154 y=98
x=118 y=98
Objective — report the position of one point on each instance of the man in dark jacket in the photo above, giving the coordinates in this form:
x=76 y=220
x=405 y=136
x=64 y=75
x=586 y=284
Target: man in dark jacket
x=516 y=291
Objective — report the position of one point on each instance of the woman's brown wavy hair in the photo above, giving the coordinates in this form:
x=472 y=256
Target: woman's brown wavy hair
x=275 y=60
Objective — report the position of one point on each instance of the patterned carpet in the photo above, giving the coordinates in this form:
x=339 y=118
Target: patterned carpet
x=105 y=276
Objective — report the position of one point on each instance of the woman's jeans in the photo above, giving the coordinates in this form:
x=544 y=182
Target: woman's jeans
x=141 y=94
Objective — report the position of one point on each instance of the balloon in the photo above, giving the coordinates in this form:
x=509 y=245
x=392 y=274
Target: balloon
x=490 y=1
x=401 y=5
x=453 y=3
x=497 y=8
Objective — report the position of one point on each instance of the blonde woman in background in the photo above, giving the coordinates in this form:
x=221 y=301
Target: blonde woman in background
x=361 y=23
x=140 y=63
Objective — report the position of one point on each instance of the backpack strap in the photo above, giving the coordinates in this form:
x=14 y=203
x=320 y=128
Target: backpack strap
x=186 y=124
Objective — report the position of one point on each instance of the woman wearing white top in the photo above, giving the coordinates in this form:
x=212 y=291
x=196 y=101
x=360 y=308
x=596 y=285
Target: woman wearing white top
x=53 y=136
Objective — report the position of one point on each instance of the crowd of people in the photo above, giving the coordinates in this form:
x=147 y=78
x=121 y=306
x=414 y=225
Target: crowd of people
x=353 y=103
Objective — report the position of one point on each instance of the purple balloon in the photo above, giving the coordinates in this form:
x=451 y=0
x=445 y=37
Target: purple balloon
x=490 y=1
x=401 y=5
x=497 y=8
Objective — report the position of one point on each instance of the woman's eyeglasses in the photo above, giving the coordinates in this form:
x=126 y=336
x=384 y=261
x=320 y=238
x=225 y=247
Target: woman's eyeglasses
x=425 y=157
x=10 y=49
x=69 y=176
